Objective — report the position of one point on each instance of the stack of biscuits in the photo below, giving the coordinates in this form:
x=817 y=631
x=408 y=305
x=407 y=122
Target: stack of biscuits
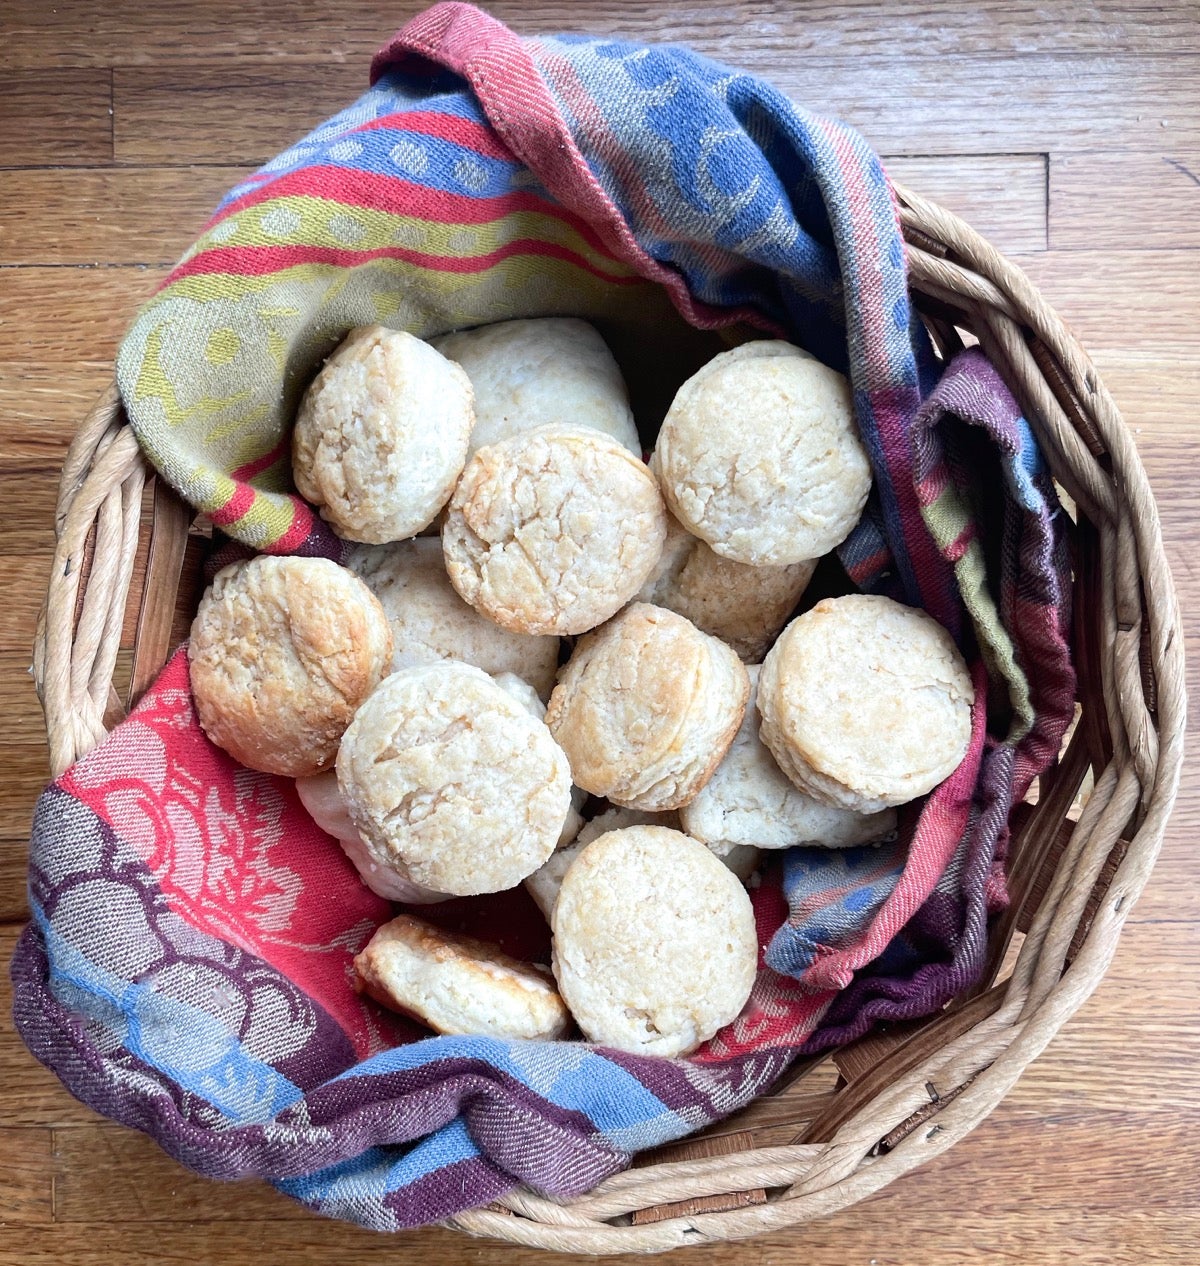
x=548 y=662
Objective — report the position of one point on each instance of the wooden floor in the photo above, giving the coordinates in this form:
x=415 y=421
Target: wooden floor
x=1068 y=133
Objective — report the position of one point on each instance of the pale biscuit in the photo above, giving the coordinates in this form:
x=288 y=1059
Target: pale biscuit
x=456 y=984
x=544 y=883
x=646 y=707
x=282 y=652
x=760 y=456
x=865 y=703
x=322 y=798
x=553 y=531
x=528 y=698
x=548 y=370
x=451 y=780
x=742 y=605
x=749 y=802
x=381 y=435
x=654 y=942
x=430 y=622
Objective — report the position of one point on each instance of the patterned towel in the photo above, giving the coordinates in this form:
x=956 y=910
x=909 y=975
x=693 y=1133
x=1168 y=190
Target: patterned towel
x=186 y=970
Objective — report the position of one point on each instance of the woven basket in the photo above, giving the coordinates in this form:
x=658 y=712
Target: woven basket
x=126 y=574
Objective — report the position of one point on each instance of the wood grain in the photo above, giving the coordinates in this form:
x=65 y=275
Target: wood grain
x=202 y=112
x=1003 y=196
x=32 y=1097
x=1152 y=198
x=214 y=114
x=42 y=402
x=116 y=216
x=26 y=1177
x=69 y=314
x=93 y=32
x=1132 y=300
x=1070 y=138
x=55 y=116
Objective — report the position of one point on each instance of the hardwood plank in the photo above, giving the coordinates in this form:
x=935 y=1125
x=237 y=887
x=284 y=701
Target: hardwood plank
x=1131 y=300
x=18 y=700
x=44 y=403
x=69 y=314
x=14 y=898
x=92 y=32
x=26 y=771
x=110 y=1174
x=55 y=116
x=27 y=501
x=113 y=216
x=885 y=1227
x=1002 y=196
x=1152 y=988
x=215 y=114
x=204 y=112
x=33 y=1096
x=23 y=580
x=26 y=1178
x=1117 y=200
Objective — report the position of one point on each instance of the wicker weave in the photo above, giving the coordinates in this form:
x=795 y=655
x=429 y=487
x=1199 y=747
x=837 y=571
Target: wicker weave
x=912 y=1094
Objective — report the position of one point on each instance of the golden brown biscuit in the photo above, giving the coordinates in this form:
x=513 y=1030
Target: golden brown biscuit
x=282 y=652
x=742 y=605
x=456 y=984
x=646 y=708
x=381 y=435
x=760 y=456
x=553 y=531
x=451 y=781
x=655 y=946
x=865 y=703
x=549 y=370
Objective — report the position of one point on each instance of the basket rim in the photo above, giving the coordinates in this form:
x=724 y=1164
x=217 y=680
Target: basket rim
x=961 y=281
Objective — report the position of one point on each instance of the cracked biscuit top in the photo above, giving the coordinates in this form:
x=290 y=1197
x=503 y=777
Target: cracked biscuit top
x=553 y=531
x=381 y=435
x=282 y=652
x=760 y=456
x=452 y=781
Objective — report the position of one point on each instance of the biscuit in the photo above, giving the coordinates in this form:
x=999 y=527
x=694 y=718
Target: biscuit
x=322 y=798
x=544 y=883
x=760 y=456
x=381 y=435
x=742 y=605
x=553 y=531
x=646 y=707
x=451 y=780
x=654 y=942
x=549 y=370
x=456 y=984
x=528 y=698
x=430 y=622
x=749 y=802
x=282 y=652
x=865 y=703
